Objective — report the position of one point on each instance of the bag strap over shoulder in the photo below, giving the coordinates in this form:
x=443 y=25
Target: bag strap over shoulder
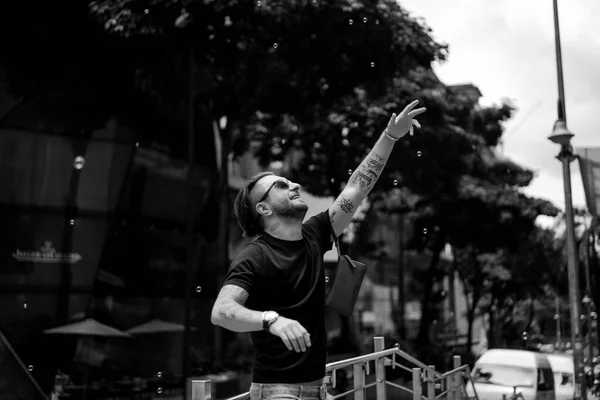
x=336 y=240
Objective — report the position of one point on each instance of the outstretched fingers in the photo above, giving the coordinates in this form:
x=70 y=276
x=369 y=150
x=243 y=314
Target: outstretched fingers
x=412 y=105
x=416 y=112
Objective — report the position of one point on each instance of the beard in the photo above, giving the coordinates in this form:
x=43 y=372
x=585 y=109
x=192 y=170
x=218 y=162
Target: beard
x=291 y=210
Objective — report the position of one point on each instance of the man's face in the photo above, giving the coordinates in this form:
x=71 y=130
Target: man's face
x=281 y=196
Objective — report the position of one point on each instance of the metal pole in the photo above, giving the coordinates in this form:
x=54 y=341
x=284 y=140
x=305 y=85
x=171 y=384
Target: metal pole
x=189 y=257
x=401 y=284
x=574 y=299
x=562 y=110
x=558 y=333
x=566 y=157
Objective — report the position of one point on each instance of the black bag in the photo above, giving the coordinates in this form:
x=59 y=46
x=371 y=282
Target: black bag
x=343 y=287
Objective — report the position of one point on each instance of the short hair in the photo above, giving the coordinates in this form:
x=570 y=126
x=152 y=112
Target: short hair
x=244 y=210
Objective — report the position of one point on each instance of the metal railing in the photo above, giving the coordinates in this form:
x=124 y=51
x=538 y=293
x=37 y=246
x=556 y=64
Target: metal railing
x=425 y=382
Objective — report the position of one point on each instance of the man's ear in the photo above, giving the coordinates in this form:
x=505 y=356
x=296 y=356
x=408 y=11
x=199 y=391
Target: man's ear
x=263 y=209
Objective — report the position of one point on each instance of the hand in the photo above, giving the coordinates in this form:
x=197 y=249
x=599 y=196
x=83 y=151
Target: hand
x=294 y=336
x=400 y=125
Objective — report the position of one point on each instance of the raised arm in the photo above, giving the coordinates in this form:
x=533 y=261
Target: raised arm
x=364 y=177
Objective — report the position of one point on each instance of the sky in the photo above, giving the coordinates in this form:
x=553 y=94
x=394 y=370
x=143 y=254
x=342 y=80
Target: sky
x=506 y=49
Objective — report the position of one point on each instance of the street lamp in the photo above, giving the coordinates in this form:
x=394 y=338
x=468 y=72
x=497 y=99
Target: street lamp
x=183 y=22
x=562 y=136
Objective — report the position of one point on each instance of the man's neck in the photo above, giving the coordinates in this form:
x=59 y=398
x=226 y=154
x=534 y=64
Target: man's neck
x=285 y=229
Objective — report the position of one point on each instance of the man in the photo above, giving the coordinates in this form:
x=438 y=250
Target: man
x=275 y=287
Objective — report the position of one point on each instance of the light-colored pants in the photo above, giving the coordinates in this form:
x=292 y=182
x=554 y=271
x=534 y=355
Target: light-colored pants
x=281 y=391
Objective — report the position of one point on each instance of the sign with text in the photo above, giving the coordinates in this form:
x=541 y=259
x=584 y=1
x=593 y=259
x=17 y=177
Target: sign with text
x=46 y=254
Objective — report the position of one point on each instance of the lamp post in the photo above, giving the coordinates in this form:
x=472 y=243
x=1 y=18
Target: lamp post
x=183 y=22
x=562 y=136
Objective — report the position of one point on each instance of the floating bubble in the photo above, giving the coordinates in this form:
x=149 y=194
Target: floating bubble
x=424 y=231
x=198 y=289
x=524 y=335
x=228 y=21
x=555 y=316
x=25 y=305
x=159 y=374
x=372 y=64
x=350 y=21
x=159 y=390
x=78 y=162
x=146 y=11
x=419 y=153
x=30 y=368
x=349 y=172
x=258 y=3
x=395 y=182
x=72 y=222
x=283 y=141
x=275 y=46
x=326 y=279
x=137 y=144
x=365 y=20
x=332 y=180
x=345 y=142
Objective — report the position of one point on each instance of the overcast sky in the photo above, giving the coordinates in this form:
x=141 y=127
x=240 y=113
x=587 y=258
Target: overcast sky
x=506 y=48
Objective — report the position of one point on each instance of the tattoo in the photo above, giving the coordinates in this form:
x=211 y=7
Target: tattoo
x=372 y=174
x=362 y=180
x=346 y=205
x=230 y=297
x=375 y=164
x=226 y=315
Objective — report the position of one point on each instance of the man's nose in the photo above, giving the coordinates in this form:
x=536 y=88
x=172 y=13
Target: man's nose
x=295 y=186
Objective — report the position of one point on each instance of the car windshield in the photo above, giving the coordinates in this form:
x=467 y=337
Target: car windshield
x=506 y=375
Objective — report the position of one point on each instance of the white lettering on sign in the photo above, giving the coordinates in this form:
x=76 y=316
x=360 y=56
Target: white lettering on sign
x=46 y=254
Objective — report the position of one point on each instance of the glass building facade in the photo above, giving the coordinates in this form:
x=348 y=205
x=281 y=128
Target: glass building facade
x=98 y=252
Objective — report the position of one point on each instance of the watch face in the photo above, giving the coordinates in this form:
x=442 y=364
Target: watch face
x=270 y=315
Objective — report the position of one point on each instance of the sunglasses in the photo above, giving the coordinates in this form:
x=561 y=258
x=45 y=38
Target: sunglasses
x=279 y=184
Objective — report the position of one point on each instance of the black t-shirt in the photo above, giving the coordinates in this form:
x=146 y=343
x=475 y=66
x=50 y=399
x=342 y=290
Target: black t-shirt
x=287 y=277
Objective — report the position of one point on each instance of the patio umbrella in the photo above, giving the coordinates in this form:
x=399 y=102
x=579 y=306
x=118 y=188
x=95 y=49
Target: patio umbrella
x=87 y=327
x=156 y=326
x=86 y=351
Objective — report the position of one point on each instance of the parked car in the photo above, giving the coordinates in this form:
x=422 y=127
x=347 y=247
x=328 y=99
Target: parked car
x=563 y=369
x=506 y=372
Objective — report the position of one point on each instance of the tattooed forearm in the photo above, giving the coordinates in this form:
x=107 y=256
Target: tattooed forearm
x=361 y=182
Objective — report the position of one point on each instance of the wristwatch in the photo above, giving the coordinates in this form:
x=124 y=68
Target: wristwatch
x=268 y=318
